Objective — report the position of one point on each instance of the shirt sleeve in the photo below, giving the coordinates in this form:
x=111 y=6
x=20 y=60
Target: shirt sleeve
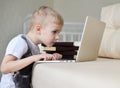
x=17 y=47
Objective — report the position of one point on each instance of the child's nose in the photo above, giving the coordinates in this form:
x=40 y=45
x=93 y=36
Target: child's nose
x=57 y=37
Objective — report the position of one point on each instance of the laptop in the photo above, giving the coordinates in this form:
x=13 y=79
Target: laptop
x=90 y=41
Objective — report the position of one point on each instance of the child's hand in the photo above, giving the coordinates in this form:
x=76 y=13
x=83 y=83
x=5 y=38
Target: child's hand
x=57 y=56
x=46 y=57
x=54 y=56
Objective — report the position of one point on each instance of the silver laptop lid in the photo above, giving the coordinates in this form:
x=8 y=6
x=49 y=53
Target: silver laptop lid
x=91 y=39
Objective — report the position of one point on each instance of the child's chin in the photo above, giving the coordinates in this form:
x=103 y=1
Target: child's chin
x=48 y=45
x=51 y=45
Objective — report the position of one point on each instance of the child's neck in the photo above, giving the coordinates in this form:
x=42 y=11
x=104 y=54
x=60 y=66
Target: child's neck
x=32 y=38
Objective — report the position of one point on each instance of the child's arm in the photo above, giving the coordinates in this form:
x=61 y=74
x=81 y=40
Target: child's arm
x=10 y=64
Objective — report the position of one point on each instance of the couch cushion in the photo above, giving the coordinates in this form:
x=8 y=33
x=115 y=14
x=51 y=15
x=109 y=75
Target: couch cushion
x=110 y=46
x=102 y=73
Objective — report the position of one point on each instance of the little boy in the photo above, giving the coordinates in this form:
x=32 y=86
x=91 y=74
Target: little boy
x=22 y=51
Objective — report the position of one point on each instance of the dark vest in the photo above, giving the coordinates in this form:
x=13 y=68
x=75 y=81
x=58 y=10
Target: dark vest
x=22 y=78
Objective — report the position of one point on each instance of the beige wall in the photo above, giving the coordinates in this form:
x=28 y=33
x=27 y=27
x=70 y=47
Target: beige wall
x=77 y=10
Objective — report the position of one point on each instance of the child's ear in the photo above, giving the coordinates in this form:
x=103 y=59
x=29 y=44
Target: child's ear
x=38 y=27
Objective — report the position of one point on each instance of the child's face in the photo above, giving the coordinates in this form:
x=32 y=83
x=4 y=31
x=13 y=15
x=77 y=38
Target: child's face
x=50 y=34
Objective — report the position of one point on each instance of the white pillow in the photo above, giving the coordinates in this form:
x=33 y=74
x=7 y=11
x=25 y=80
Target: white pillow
x=110 y=45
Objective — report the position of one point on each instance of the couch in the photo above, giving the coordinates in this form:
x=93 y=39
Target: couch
x=102 y=73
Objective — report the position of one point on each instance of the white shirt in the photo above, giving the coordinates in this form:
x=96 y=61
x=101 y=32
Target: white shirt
x=17 y=47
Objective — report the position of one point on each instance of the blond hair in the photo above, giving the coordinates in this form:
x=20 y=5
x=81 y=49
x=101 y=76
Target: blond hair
x=44 y=15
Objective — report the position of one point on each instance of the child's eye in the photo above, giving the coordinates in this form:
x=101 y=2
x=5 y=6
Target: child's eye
x=54 y=32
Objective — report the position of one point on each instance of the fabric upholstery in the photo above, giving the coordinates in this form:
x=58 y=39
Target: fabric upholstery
x=110 y=45
x=102 y=73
